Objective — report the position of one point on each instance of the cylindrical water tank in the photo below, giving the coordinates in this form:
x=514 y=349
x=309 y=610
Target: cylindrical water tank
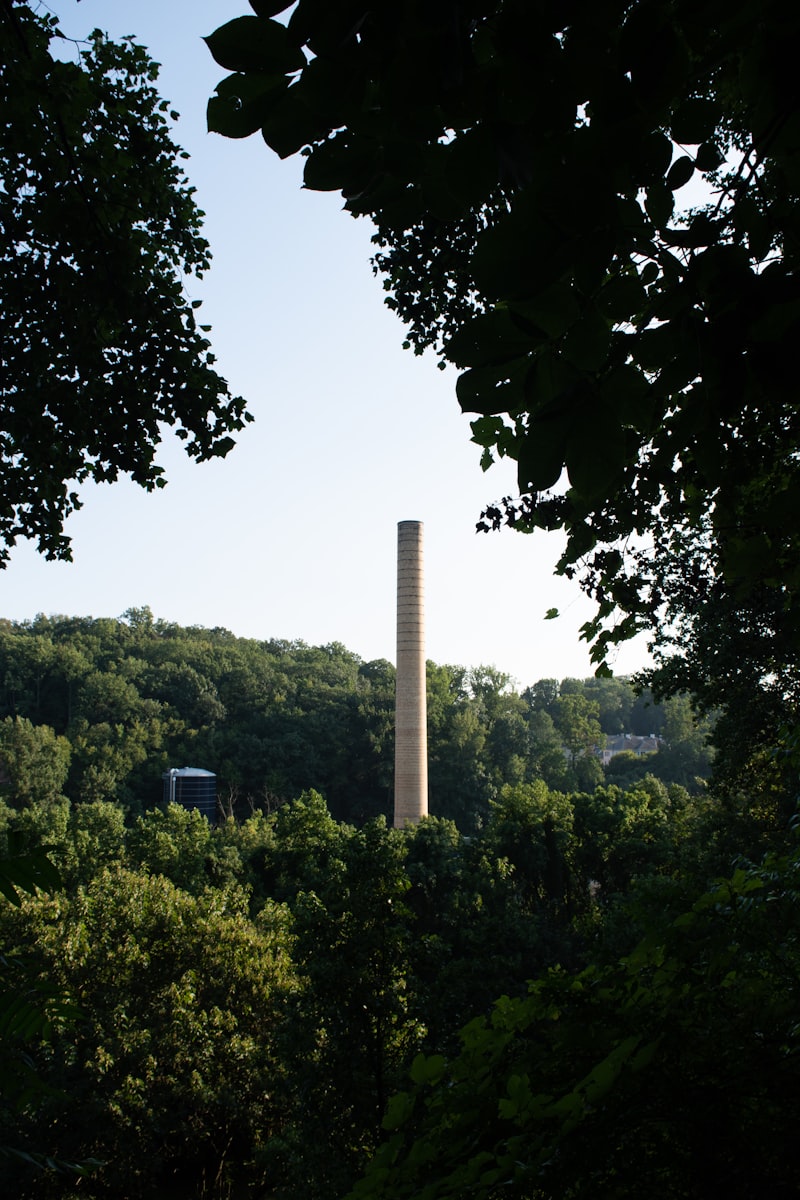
x=192 y=788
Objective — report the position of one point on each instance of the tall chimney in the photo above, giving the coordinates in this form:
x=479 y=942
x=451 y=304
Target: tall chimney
x=411 y=726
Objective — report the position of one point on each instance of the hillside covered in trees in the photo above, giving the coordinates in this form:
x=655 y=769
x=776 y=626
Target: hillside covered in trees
x=240 y=1010
x=97 y=709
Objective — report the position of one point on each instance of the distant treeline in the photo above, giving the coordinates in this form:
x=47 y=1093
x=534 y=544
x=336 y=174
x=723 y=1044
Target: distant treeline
x=97 y=709
x=560 y=977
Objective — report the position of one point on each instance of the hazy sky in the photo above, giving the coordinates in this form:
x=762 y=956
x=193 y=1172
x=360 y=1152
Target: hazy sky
x=294 y=534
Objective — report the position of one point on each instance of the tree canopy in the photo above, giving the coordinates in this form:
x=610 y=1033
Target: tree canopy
x=101 y=348
x=235 y=1010
x=229 y=1010
x=97 y=709
x=666 y=1074
x=624 y=337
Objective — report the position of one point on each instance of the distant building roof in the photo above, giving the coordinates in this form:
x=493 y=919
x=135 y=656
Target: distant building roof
x=632 y=743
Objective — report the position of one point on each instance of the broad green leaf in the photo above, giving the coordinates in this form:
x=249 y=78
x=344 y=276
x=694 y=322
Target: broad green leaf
x=427 y=1069
x=709 y=455
x=654 y=155
x=749 y=220
x=700 y=231
x=486 y=430
x=337 y=165
x=749 y=558
x=523 y=246
x=570 y=1109
x=655 y=349
x=552 y=376
x=399 y=1109
x=661 y=60
x=435 y=196
x=631 y=217
x=600 y=1081
x=649 y=273
x=470 y=165
x=776 y=322
x=645 y=1055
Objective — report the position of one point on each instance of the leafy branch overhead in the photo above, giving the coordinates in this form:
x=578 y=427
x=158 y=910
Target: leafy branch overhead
x=101 y=347
x=624 y=337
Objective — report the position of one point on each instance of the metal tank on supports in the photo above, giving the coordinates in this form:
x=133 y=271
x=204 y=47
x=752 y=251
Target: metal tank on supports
x=192 y=788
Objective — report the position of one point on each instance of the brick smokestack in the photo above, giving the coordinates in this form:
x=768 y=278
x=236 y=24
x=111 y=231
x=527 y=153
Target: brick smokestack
x=411 y=726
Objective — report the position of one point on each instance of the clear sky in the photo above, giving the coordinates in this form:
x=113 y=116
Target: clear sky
x=294 y=534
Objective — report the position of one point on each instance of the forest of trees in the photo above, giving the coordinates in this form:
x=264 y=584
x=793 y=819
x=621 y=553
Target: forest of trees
x=568 y=982
x=97 y=709
x=229 y=1011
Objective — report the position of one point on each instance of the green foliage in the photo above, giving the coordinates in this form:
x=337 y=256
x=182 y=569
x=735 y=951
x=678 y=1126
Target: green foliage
x=548 y=761
x=134 y=696
x=175 y=843
x=95 y=839
x=99 y=229
x=29 y=1008
x=127 y=699
x=172 y=1071
x=34 y=762
x=530 y=828
x=626 y=833
x=479 y=921
x=626 y=766
x=577 y=721
x=605 y=244
x=352 y=1028
x=673 y=1073
x=254 y=996
x=615 y=702
x=29 y=873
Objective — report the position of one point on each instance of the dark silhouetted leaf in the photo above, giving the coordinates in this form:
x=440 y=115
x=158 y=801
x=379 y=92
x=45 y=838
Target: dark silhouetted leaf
x=659 y=204
x=587 y=341
x=242 y=103
x=622 y=297
x=680 y=173
x=493 y=389
x=694 y=121
x=269 y=8
x=708 y=157
x=554 y=310
x=540 y=459
x=490 y=338
x=255 y=44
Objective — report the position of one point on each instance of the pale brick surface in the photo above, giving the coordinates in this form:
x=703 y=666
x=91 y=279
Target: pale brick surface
x=411 y=732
